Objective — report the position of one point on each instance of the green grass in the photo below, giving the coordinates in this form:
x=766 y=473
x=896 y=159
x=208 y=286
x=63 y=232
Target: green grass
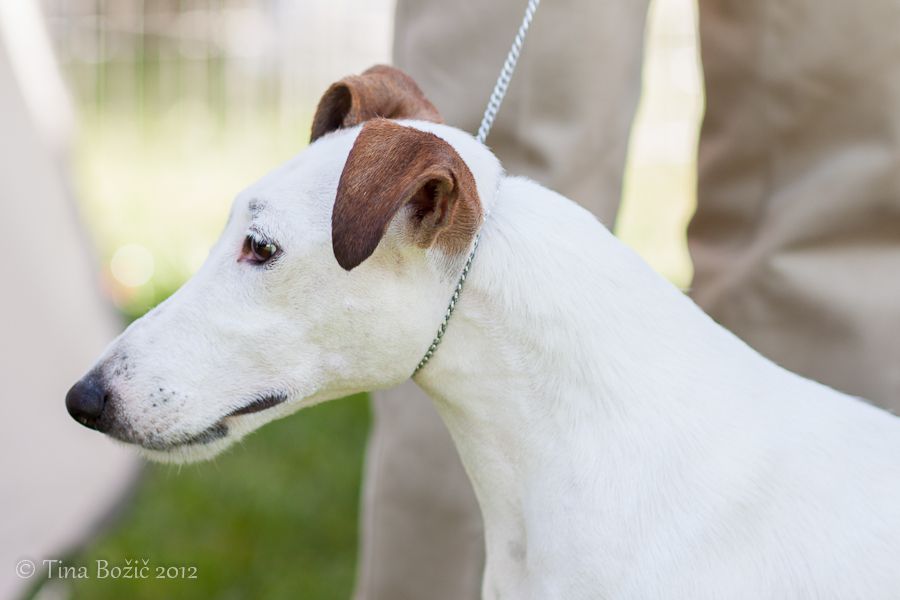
x=273 y=518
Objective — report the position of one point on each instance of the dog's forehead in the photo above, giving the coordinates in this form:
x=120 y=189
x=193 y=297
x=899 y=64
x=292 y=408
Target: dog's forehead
x=302 y=188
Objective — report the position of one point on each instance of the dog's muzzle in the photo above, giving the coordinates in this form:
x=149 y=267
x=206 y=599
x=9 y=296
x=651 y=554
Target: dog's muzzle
x=92 y=403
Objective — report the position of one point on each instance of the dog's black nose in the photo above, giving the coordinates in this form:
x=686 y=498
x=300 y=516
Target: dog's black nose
x=86 y=401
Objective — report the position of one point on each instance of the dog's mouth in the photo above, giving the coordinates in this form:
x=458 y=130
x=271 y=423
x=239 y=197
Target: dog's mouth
x=258 y=405
x=219 y=429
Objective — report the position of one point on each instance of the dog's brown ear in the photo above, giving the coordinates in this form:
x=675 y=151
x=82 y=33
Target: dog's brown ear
x=381 y=91
x=390 y=167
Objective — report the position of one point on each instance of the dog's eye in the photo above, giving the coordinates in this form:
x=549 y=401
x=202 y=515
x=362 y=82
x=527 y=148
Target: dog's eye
x=258 y=251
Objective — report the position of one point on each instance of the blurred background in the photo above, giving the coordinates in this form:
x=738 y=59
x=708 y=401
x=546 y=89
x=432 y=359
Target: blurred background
x=178 y=105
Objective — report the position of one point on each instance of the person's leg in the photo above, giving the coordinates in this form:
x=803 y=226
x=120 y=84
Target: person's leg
x=796 y=239
x=565 y=122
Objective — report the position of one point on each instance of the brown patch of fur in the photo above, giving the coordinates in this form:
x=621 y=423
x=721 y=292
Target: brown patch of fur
x=381 y=91
x=391 y=166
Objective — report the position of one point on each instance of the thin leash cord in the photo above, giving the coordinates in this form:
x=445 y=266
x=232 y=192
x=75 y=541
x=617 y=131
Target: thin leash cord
x=487 y=121
x=506 y=73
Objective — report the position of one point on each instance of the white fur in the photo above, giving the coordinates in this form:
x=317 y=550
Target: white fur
x=621 y=443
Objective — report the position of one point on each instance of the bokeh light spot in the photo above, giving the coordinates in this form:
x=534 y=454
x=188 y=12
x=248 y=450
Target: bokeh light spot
x=132 y=265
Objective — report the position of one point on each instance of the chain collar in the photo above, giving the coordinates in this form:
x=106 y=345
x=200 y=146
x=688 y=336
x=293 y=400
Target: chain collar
x=450 y=307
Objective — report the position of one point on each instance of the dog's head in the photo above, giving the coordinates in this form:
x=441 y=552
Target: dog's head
x=330 y=278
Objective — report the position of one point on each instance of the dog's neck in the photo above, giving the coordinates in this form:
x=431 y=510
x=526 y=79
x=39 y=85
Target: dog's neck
x=575 y=382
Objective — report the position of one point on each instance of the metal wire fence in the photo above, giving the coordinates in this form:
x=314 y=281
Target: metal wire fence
x=230 y=55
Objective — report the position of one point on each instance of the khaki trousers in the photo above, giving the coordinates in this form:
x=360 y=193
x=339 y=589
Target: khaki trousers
x=795 y=242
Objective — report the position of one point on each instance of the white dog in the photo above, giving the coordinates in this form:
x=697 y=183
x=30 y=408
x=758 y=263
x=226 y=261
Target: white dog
x=621 y=443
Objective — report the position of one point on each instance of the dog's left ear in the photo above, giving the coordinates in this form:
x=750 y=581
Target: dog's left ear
x=381 y=91
x=391 y=167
